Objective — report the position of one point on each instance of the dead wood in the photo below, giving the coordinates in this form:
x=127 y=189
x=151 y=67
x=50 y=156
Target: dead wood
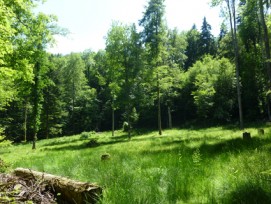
x=68 y=191
x=17 y=190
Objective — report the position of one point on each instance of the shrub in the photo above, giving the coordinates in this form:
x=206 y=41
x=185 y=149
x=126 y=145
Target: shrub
x=3 y=141
x=86 y=135
x=3 y=166
x=125 y=126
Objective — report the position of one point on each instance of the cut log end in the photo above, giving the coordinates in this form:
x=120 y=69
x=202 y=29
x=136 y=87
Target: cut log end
x=68 y=191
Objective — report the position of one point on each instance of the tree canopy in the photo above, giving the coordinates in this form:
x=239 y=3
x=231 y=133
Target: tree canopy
x=148 y=75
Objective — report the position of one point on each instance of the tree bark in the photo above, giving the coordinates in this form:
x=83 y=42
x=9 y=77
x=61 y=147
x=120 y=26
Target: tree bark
x=159 y=106
x=36 y=108
x=47 y=114
x=129 y=125
x=231 y=8
x=69 y=191
x=25 y=119
x=169 y=118
x=113 y=122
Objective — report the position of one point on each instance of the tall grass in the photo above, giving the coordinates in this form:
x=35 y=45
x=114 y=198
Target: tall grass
x=212 y=165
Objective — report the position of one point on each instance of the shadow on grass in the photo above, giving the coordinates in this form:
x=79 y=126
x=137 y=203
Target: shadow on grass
x=72 y=147
x=249 y=194
x=67 y=140
x=61 y=142
x=87 y=145
x=233 y=146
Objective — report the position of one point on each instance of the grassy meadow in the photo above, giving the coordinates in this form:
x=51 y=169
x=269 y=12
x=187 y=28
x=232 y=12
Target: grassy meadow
x=212 y=165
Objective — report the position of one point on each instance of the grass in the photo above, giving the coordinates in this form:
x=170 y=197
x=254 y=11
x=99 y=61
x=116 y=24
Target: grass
x=211 y=165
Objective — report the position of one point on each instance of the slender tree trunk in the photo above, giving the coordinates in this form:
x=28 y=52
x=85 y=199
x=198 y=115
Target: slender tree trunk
x=73 y=104
x=113 y=121
x=267 y=53
x=36 y=108
x=129 y=127
x=159 y=106
x=231 y=9
x=25 y=119
x=47 y=115
x=169 y=117
x=47 y=125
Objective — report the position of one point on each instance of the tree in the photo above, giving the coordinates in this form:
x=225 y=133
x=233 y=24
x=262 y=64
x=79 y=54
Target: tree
x=54 y=113
x=40 y=37
x=115 y=42
x=131 y=74
x=176 y=46
x=251 y=57
x=214 y=84
x=154 y=36
x=74 y=82
x=206 y=40
x=231 y=9
x=267 y=51
x=192 y=50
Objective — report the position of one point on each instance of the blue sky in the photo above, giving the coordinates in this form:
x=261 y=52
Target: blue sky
x=89 y=20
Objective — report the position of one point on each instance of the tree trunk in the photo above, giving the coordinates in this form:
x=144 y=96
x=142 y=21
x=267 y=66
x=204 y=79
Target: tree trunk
x=236 y=53
x=25 y=119
x=169 y=118
x=113 y=122
x=267 y=53
x=34 y=141
x=69 y=191
x=129 y=130
x=36 y=105
x=73 y=104
x=159 y=106
x=47 y=115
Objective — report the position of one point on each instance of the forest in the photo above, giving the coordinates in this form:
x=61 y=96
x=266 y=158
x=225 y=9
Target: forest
x=157 y=78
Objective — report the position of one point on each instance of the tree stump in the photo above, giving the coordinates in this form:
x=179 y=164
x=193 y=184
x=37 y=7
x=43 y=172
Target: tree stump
x=69 y=191
x=260 y=131
x=246 y=136
x=105 y=156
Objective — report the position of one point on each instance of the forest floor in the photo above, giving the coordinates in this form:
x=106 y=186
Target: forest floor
x=208 y=165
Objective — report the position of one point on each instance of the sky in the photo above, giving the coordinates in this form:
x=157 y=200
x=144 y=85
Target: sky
x=89 y=20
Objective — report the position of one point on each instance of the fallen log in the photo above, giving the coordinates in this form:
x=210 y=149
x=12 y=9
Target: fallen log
x=68 y=191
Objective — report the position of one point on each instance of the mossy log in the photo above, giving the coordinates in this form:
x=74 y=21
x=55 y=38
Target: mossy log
x=68 y=191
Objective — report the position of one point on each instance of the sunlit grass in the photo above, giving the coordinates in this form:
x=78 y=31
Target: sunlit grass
x=212 y=165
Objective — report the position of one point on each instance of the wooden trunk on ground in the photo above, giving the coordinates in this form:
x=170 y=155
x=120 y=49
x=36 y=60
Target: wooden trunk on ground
x=69 y=191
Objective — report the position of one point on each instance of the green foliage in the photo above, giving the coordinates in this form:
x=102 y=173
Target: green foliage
x=158 y=68
x=206 y=40
x=154 y=33
x=213 y=81
x=176 y=48
x=7 y=91
x=192 y=50
x=4 y=167
x=3 y=141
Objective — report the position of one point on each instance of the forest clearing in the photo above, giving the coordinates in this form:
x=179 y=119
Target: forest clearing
x=211 y=165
